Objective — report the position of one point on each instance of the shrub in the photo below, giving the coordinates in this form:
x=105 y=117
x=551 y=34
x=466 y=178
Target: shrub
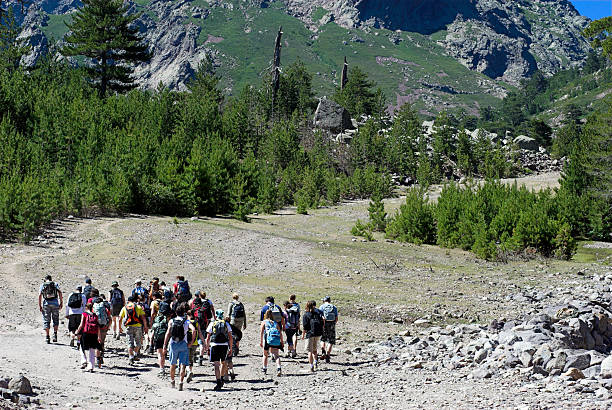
x=414 y=222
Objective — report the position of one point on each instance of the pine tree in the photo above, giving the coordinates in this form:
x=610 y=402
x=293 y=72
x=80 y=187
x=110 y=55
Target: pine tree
x=104 y=32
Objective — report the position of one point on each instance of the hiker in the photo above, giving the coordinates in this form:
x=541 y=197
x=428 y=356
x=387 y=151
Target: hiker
x=88 y=287
x=133 y=318
x=228 y=371
x=89 y=330
x=158 y=336
x=181 y=289
x=312 y=322
x=218 y=343
x=237 y=316
x=156 y=301
x=101 y=308
x=196 y=302
x=117 y=301
x=143 y=294
x=292 y=325
x=203 y=314
x=330 y=318
x=154 y=287
x=74 y=310
x=271 y=339
x=50 y=301
x=296 y=307
x=193 y=336
x=93 y=294
x=176 y=344
x=277 y=312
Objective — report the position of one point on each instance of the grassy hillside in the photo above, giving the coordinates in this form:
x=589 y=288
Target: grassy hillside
x=415 y=69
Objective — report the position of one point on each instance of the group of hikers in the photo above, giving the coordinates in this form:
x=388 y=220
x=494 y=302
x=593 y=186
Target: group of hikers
x=174 y=324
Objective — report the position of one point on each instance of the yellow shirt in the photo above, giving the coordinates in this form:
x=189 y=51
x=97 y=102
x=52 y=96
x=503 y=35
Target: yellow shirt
x=137 y=310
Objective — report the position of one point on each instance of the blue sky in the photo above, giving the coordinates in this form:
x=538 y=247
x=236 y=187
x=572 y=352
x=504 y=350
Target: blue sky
x=595 y=9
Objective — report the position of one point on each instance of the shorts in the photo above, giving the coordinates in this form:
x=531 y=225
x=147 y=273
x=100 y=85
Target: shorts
x=74 y=321
x=238 y=322
x=290 y=333
x=218 y=353
x=192 y=353
x=116 y=310
x=50 y=312
x=158 y=343
x=268 y=347
x=89 y=341
x=313 y=344
x=134 y=336
x=329 y=333
x=179 y=353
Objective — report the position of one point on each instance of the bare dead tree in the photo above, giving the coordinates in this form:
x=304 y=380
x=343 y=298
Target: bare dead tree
x=344 y=75
x=276 y=67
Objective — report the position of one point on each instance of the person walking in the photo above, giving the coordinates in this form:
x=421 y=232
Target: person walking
x=154 y=287
x=101 y=308
x=87 y=288
x=204 y=313
x=160 y=327
x=193 y=336
x=271 y=340
x=176 y=344
x=181 y=289
x=295 y=310
x=142 y=294
x=74 y=310
x=133 y=318
x=277 y=312
x=312 y=323
x=237 y=315
x=155 y=303
x=89 y=330
x=228 y=371
x=330 y=318
x=117 y=301
x=292 y=326
x=50 y=301
x=218 y=342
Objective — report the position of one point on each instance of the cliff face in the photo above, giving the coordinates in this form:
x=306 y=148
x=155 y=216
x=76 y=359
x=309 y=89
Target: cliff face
x=505 y=40
x=431 y=53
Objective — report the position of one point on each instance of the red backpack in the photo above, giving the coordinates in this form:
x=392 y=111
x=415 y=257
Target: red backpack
x=91 y=323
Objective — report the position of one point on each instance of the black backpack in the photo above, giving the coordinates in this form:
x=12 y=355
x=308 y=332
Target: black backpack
x=178 y=329
x=116 y=297
x=75 y=300
x=164 y=309
x=219 y=332
x=316 y=323
x=207 y=306
x=238 y=311
x=86 y=290
x=49 y=291
x=183 y=291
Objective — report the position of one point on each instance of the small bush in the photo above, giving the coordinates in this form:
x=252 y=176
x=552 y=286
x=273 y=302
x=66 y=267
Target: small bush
x=414 y=222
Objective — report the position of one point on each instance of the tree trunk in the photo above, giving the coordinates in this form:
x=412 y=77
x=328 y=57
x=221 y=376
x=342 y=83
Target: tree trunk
x=276 y=67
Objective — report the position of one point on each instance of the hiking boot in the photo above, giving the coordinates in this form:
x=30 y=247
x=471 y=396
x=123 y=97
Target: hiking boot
x=279 y=372
x=316 y=364
x=312 y=369
x=288 y=355
x=55 y=337
x=71 y=342
x=83 y=365
x=294 y=354
x=131 y=361
x=136 y=358
x=201 y=360
x=48 y=340
x=218 y=386
x=172 y=385
x=326 y=358
x=264 y=370
x=189 y=377
x=225 y=379
x=180 y=387
x=233 y=376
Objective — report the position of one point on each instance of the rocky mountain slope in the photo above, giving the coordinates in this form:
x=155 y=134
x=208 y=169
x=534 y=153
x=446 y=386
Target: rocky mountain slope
x=444 y=54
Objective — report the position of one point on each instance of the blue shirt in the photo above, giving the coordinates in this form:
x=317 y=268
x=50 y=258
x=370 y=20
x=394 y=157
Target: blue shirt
x=267 y=307
x=327 y=305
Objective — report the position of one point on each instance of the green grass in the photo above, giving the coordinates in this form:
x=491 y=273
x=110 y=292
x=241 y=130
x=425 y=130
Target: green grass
x=56 y=26
x=592 y=255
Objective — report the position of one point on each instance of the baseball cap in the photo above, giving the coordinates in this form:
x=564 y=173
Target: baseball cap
x=326 y=299
x=115 y=283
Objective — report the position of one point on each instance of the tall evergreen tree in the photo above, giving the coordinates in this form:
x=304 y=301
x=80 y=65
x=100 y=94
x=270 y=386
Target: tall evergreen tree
x=104 y=32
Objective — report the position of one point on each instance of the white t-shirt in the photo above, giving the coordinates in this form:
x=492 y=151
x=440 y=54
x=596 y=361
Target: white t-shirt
x=229 y=332
x=185 y=328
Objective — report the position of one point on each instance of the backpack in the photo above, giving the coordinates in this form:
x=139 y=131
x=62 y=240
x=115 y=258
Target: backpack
x=183 y=289
x=164 y=309
x=100 y=310
x=168 y=295
x=277 y=314
x=160 y=327
x=316 y=323
x=91 y=323
x=293 y=315
x=116 y=297
x=75 y=300
x=49 y=291
x=219 y=332
x=177 y=332
x=87 y=289
x=238 y=311
x=207 y=306
x=273 y=336
x=329 y=312
x=131 y=318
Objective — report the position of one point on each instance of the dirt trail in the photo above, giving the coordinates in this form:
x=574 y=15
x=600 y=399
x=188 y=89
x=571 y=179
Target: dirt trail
x=311 y=256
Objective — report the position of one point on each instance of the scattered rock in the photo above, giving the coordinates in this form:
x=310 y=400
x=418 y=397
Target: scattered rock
x=20 y=385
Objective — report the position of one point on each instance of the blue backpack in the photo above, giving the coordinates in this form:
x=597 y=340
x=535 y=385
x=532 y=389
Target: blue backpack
x=273 y=336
